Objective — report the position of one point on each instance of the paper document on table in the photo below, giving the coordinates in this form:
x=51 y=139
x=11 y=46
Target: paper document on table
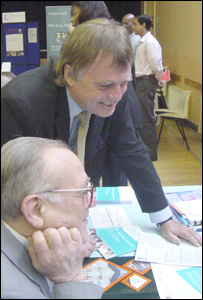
x=155 y=248
x=176 y=282
x=184 y=196
x=114 y=216
x=194 y=206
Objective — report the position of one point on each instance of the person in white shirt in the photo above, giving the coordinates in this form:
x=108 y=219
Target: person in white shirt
x=127 y=22
x=148 y=71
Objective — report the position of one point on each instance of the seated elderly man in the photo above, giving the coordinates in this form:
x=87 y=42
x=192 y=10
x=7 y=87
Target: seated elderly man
x=45 y=198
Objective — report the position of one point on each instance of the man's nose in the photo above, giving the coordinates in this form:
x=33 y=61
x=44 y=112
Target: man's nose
x=116 y=93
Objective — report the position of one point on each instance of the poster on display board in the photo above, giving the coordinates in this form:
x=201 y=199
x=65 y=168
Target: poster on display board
x=57 y=21
x=20 y=46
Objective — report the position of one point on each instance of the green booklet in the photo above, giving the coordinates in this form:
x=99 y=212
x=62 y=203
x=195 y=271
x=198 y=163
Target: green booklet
x=115 y=195
x=121 y=278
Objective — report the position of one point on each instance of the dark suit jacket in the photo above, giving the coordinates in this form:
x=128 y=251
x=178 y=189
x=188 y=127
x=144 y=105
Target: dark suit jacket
x=33 y=105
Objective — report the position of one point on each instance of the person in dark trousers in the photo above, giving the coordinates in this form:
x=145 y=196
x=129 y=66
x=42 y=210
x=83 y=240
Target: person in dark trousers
x=148 y=70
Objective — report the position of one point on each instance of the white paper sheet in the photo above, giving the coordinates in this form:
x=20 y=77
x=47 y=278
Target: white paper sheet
x=114 y=216
x=171 y=285
x=154 y=248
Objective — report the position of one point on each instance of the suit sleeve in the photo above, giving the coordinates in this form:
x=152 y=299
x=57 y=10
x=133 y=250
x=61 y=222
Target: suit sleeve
x=77 y=290
x=132 y=156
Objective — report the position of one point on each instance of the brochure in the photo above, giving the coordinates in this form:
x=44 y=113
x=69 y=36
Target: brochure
x=180 y=201
x=115 y=195
x=116 y=241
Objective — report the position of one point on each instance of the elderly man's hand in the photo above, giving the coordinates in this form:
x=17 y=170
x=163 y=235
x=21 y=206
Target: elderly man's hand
x=172 y=230
x=57 y=254
x=89 y=246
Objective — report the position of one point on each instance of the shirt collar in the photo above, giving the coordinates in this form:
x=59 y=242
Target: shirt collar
x=23 y=240
x=74 y=109
x=132 y=34
x=143 y=39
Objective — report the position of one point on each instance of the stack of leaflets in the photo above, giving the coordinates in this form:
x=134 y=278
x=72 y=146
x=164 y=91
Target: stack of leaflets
x=186 y=207
x=190 y=210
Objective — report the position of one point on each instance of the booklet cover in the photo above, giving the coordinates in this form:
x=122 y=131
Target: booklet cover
x=119 y=280
x=116 y=241
x=115 y=195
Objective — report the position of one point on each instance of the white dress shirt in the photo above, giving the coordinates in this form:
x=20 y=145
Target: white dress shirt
x=148 y=59
x=74 y=109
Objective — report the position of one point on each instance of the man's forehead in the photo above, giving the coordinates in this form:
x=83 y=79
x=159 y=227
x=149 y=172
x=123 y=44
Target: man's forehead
x=108 y=64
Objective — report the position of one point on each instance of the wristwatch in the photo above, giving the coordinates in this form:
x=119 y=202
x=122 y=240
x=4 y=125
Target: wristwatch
x=161 y=223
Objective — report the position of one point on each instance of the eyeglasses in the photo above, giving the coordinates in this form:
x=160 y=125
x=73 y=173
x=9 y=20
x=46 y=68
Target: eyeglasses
x=88 y=192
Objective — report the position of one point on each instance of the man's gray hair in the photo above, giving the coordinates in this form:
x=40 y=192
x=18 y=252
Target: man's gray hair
x=23 y=171
x=103 y=37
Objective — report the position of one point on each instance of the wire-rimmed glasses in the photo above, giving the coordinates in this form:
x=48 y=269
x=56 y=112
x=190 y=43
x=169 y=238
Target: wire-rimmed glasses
x=88 y=192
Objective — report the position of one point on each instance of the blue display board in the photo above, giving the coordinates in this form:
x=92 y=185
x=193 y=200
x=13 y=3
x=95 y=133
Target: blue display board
x=20 y=42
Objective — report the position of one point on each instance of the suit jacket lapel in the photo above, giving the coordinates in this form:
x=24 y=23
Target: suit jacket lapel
x=19 y=256
x=94 y=132
x=62 y=124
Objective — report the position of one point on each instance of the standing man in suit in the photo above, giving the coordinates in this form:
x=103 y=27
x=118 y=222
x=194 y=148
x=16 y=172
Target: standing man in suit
x=148 y=70
x=91 y=75
x=82 y=11
x=45 y=198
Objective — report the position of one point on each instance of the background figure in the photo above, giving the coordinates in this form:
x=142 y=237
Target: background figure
x=91 y=75
x=127 y=22
x=6 y=77
x=40 y=222
x=148 y=70
x=83 y=11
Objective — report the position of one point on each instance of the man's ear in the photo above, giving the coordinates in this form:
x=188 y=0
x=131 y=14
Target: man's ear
x=32 y=209
x=68 y=75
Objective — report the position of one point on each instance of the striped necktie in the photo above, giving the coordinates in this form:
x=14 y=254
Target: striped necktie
x=84 y=117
